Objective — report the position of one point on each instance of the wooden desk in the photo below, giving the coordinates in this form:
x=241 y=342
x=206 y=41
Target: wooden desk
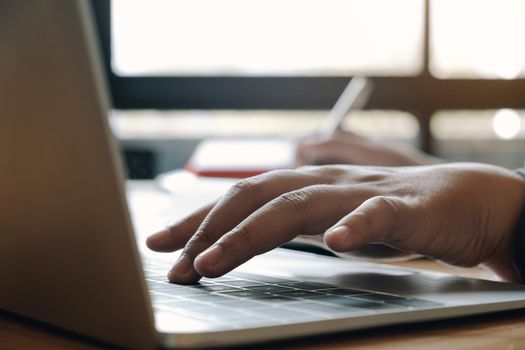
x=496 y=331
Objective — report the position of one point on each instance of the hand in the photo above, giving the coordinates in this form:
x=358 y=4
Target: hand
x=349 y=148
x=462 y=214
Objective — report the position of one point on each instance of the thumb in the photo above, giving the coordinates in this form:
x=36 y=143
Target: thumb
x=375 y=220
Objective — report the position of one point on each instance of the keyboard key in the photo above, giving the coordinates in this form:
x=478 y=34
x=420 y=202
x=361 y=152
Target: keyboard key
x=307 y=285
x=212 y=298
x=163 y=298
x=331 y=299
x=269 y=288
x=183 y=291
x=204 y=283
x=216 y=288
x=192 y=305
x=298 y=294
x=259 y=278
x=274 y=300
x=244 y=300
x=245 y=294
x=157 y=275
x=219 y=279
x=221 y=314
x=242 y=283
x=344 y=291
x=163 y=287
x=244 y=304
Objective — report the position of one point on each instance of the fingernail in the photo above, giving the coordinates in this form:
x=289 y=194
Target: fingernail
x=211 y=256
x=339 y=233
x=181 y=267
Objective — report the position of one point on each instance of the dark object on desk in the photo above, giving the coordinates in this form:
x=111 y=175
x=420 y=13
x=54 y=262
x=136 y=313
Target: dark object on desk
x=140 y=164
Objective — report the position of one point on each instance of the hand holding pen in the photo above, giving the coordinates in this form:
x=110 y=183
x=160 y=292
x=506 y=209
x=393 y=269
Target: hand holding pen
x=333 y=145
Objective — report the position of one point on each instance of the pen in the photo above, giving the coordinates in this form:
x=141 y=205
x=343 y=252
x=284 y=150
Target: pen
x=354 y=96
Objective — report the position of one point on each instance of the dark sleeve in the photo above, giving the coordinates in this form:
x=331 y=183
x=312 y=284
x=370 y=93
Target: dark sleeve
x=519 y=239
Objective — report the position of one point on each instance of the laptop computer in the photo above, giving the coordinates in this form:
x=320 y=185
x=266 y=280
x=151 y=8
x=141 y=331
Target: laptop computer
x=68 y=255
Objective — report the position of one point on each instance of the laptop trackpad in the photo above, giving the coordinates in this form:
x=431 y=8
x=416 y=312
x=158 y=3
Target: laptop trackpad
x=377 y=277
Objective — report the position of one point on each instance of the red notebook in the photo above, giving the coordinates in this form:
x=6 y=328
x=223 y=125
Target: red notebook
x=241 y=158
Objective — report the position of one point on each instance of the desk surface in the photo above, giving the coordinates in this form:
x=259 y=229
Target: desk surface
x=497 y=331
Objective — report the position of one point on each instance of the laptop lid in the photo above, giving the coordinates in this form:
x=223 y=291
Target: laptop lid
x=67 y=257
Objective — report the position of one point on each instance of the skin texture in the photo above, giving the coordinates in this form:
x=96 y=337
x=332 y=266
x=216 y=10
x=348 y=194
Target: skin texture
x=462 y=214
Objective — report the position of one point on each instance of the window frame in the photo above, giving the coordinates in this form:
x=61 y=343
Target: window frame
x=421 y=94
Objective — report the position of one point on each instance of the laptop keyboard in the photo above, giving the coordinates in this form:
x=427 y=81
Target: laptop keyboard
x=239 y=300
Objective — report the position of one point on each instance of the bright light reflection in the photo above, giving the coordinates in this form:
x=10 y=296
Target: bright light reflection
x=266 y=37
x=506 y=124
x=472 y=38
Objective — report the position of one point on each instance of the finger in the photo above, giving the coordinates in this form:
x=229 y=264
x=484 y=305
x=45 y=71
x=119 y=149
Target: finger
x=326 y=152
x=338 y=148
x=376 y=220
x=305 y=211
x=302 y=150
x=241 y=200
x=175 y=236
x=317 y=149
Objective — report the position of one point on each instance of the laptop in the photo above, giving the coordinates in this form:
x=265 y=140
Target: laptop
x=68 y=254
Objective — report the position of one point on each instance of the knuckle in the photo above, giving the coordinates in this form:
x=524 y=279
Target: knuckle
x=244 y=186
x=193 y=220
x=333 y=171
x=280 y=173
x=206 y=234
x=363 y=219
x=243 y=236
x=297 y=200
x=389 y=204
x=372 y=177
x=306 y=169
x=326 y=173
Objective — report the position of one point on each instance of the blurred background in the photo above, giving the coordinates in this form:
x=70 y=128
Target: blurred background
x=448 y=74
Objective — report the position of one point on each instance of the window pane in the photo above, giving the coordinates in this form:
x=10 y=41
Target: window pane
x=267 y=37
x=496 y=137
x=478 y=38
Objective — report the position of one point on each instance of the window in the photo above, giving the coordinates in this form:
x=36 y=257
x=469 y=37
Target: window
x=488 y=42
x=492 y=136
x=266 y=37
x=425 y=56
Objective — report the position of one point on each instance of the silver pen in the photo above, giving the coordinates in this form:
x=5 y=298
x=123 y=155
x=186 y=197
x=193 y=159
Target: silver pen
x=354 y=96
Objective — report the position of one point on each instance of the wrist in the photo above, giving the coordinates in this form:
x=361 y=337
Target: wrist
x=504 y=218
